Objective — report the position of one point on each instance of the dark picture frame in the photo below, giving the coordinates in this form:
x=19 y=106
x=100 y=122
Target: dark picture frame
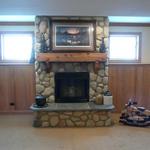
x=74 y=36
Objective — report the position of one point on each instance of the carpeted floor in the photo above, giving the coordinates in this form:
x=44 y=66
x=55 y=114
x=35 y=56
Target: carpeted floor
x=17 y=133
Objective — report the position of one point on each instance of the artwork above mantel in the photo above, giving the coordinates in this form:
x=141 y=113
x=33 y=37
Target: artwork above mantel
x=73 y=35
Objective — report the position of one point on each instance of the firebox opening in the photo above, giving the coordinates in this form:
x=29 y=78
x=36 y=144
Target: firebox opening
x=71 y=87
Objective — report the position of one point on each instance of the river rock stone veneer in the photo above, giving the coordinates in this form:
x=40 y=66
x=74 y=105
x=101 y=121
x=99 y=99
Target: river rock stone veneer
x=73 y=119
x=73 y=115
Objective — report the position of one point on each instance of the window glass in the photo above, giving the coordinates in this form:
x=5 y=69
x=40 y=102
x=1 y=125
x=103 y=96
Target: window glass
x=16 y=46
x=124 y=47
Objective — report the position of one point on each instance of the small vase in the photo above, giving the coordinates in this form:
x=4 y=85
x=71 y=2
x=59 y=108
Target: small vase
x=102 y=48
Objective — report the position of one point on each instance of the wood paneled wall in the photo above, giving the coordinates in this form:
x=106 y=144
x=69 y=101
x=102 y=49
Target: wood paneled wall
x=17 y=87
x=130 y=81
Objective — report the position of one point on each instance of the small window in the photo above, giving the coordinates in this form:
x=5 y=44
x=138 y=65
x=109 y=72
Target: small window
x=16 y=46
x=124 y=47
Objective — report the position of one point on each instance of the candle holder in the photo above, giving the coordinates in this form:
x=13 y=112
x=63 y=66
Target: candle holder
x=102 y=48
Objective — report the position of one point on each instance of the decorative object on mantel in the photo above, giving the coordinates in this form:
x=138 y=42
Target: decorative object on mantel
x=43 y=48
x=135 y=116
x=102 y=48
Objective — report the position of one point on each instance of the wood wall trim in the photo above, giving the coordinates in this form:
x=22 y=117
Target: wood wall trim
x=129 y=24
x=16 y=23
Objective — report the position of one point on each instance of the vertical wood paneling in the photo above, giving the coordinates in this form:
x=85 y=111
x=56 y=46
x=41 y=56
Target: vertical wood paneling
x=139 y=85
x=143 y=86
x=130 y=81
x=6 y=86
x=121 y=84
x=17 y=86
x=146 y=87
x=113 y=77
x=24 y=87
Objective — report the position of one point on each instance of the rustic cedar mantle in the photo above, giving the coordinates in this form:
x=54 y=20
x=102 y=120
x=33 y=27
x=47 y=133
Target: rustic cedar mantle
x=73 y=57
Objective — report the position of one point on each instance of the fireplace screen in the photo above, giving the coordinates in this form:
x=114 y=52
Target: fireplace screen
x=72 y=87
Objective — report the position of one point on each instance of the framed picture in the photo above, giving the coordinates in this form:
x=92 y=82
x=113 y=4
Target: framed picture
x=74 y=36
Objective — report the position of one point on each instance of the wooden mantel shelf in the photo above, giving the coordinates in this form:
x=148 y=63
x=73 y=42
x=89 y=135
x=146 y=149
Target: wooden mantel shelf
x=72 y=57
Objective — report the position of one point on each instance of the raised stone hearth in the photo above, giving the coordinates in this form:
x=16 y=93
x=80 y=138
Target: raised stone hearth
x=73 y=115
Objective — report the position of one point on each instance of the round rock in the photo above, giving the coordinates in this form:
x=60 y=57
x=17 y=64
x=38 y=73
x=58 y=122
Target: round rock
x=48 y=91
x=54 y=121
x=93 y=76
x=39 y=88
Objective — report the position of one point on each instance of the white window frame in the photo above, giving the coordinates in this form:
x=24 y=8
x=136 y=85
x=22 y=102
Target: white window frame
x=138 y=59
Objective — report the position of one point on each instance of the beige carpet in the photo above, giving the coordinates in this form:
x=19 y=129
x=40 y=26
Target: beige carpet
x=17 y=133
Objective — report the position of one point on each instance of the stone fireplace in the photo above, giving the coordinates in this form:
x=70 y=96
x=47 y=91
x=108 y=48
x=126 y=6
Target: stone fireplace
x=71 y=88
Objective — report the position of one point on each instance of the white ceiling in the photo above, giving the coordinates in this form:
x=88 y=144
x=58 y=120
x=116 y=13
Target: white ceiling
x=76 y=7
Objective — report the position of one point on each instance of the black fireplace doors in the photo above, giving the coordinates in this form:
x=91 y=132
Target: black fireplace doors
x=71 y=87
